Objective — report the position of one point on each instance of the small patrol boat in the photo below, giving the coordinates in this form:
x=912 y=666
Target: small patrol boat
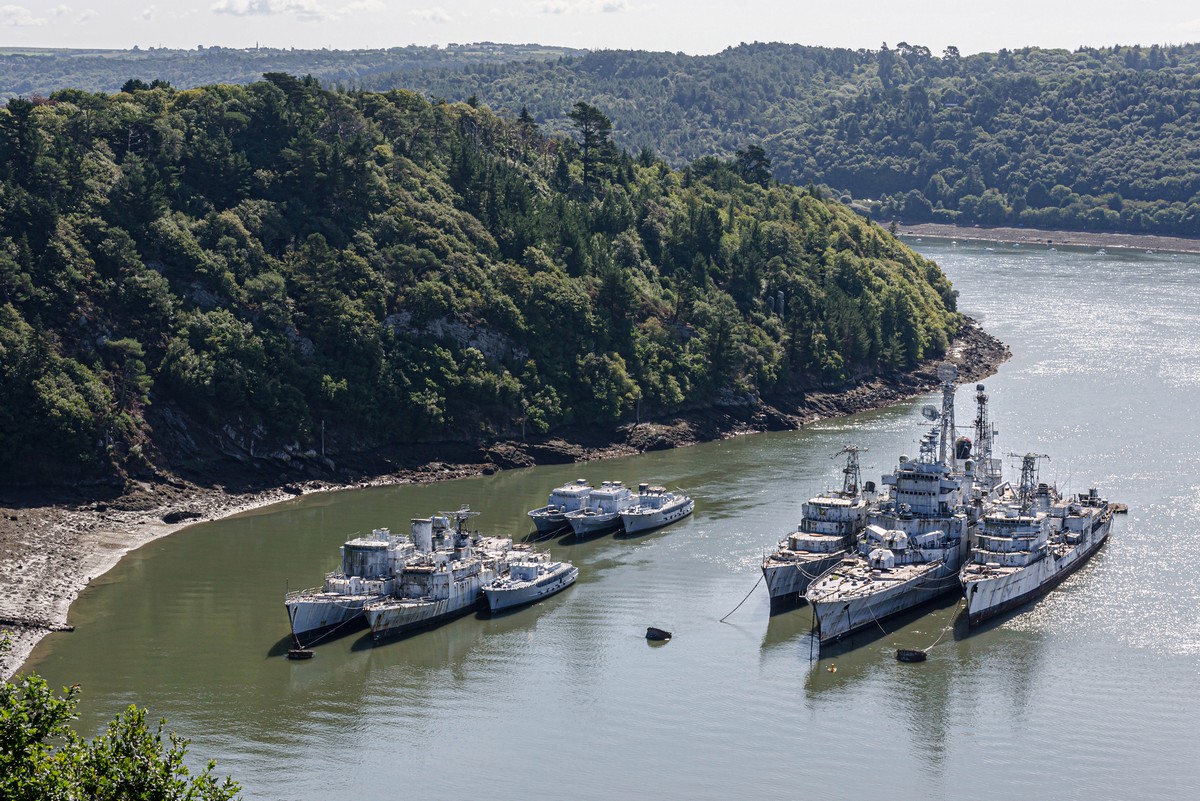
x=530 y=578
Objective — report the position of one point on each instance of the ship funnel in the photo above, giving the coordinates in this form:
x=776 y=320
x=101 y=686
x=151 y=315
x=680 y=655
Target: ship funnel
x=422 y=534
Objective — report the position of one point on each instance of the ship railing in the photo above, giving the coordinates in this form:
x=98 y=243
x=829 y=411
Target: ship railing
x=295 y=594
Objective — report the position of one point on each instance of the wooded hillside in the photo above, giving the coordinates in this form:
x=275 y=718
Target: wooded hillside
x=256 y=264
x=1097 y=139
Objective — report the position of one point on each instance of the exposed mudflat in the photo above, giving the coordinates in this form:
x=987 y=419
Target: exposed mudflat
x=52 y=543
x=1036 y=236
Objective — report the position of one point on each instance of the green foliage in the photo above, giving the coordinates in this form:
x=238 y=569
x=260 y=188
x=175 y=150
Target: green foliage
x=405 y=271
x=985 y=139
x=41 y=757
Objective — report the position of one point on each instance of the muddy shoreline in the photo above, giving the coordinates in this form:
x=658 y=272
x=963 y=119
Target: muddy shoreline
x=52 y=546
x=1047 y=238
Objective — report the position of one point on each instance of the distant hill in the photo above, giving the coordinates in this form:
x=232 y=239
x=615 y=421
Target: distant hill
x=1096 y=139
x=247 y=272
x=32 y=71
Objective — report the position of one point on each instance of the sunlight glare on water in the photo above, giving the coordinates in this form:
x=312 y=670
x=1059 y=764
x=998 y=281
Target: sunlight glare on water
x=1092 y=693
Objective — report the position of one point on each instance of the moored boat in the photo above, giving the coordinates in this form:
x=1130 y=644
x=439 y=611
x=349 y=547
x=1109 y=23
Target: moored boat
x=568 y=498
x=1028 y=544
x=443 y=581
x=602 y=512
x=655 y=507
x=368 y=570
x=826 y=534
x=530 y=578
x=915 y=539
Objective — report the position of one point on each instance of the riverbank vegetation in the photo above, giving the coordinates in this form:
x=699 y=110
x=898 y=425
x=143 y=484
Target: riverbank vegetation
x=278 y=269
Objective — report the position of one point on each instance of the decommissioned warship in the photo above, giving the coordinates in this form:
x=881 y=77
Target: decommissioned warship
x=828 y=525
x=1029 y=542
x=368 y=571
x=568 y=498
x=915 y=539
x=444 y=579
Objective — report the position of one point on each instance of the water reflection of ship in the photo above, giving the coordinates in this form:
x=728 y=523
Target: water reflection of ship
x=925 y=699
x=916 y=628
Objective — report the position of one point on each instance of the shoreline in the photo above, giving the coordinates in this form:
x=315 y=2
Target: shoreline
x=51 y=552
x=1037 y=236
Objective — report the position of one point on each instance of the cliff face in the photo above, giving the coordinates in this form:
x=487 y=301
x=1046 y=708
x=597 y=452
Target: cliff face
x=280 y=275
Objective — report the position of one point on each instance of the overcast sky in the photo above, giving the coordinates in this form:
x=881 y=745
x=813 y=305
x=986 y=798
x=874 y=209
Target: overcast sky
x=692 y=26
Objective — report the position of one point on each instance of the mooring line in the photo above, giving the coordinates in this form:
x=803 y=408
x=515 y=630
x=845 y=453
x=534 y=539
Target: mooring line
x=752 y=589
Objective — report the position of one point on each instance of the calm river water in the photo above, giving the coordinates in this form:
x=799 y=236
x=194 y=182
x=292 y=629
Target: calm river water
x=1094 y=693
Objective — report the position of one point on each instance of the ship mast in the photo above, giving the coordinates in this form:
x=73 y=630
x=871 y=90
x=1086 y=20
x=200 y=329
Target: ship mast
x=947 y=372
x=851 y=476
x=985 y=434
x=1029 y=479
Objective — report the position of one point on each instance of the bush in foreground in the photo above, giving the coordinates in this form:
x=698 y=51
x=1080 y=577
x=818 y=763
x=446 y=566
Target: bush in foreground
x=42 y=758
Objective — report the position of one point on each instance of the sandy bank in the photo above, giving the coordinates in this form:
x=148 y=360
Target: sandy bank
x=50 y=551
x=1034 y=236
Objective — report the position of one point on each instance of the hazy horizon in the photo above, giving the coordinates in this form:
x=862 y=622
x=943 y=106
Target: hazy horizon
x=696 y=28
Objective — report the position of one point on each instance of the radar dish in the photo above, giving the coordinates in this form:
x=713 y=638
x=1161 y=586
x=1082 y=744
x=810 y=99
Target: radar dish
x=947 y=372
x=930 y=412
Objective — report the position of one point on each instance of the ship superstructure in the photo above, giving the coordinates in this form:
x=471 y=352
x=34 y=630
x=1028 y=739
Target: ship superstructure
x=988 y=472
x=1029 y=542
x=914 y=541
x=444 y=580
x=828 y=527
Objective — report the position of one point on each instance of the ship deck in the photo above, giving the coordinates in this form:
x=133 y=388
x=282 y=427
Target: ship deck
x=860 y=581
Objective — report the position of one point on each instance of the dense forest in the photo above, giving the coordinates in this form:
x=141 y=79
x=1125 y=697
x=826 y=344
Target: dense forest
x=1096 y=139
x=278 y=265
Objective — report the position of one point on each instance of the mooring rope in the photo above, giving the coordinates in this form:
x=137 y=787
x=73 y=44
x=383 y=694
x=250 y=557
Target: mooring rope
x=752 y=589
x=325 y=634
x=949 y=626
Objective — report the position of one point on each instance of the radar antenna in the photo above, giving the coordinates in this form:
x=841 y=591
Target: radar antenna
x=463 y=514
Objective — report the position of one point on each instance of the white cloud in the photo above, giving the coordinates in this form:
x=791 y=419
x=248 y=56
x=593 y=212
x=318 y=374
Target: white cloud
x=86 y=16
x=60 y=11
x=305 y=10
x=435 y=14
x=582 y=7
x=19 y=17
x=148 y=13
x=364 y=5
